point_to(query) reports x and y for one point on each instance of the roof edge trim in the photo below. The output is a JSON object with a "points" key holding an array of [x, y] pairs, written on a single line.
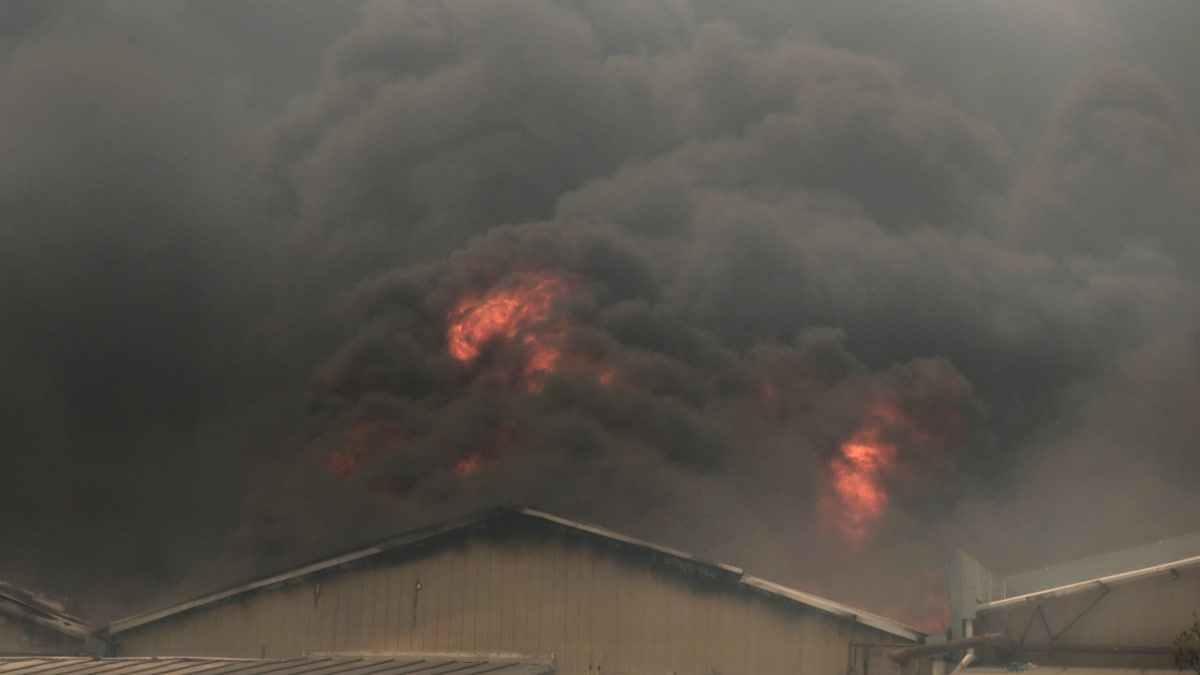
{"points": [[1081, 586]]}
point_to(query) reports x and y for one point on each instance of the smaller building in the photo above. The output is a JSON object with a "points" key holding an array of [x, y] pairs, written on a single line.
{"points": [[1120, 610], [31, 623]]}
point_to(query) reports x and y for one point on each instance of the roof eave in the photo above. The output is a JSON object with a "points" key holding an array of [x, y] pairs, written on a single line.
{"points": [[1082, 586]]}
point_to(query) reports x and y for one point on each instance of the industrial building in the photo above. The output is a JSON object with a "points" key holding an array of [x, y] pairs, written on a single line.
{"points": [[1120, 610], [514, 585], [32, 623]]}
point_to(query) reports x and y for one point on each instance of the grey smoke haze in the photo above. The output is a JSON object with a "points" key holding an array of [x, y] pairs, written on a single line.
{"points": [[231, 233]]}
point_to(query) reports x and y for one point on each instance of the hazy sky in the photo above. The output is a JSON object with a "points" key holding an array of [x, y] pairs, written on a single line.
{"points": [[232, 236]]}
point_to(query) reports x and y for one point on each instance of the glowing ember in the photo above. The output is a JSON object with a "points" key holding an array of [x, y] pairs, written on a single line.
{"points": [[858, 498], [469, 464], [504, 312], [344, 462], [360, 442]]}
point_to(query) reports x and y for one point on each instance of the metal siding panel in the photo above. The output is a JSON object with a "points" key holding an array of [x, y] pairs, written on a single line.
{"points": [[460, 607], [371, 631], [706, 636], [689, 619], [540, 634], [483, 596], [509, 616], [390, 590], [569, 600], [808, 635], [356, 609], [755, 624], [434, 602], [494, 600], [444, 639], [519, 582], [587, 603], [624, 616], [216, 634], [277, 629], [676, 628], [556, 598], [597, 608], [425, 596]]}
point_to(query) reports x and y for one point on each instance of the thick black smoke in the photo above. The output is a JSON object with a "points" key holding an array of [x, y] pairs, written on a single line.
{"points": [[233, 236]]}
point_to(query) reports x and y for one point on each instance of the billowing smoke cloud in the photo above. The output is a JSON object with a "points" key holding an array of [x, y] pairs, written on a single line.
{"points": [[767, 281]]}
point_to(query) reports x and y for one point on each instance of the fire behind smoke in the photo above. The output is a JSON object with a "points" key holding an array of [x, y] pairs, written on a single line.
{"points": [[521, 316], [519, 312], [856, 497]]}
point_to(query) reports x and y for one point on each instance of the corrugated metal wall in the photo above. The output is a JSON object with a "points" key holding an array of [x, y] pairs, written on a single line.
{"points": [[591, 606], [10, 637], [1142, 613]]}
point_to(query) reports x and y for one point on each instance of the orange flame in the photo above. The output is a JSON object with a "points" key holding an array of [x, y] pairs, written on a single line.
{"points": [[503, 312], [469, 464], [859, 498], [360, 442]]}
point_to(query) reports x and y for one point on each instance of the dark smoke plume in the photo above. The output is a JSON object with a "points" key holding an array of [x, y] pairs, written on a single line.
{"points": [[242, 246]]}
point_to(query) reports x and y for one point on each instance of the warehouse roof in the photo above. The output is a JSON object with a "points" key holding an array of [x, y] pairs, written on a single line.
{"points": [[312, 665], [26, 605], [677, 560]]}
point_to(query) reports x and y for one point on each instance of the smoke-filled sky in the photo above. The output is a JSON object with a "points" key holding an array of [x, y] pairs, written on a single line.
{"points": [[822, 288]]}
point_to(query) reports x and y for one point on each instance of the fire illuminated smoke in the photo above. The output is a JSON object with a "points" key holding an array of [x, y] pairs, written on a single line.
{"points": [[467, 465], [503, 313], [858, 498]]}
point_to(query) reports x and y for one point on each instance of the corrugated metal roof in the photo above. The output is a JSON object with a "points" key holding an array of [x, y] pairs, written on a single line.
{"points": [[1148, 555], [27, 605], [326, 665], [710, 569]]}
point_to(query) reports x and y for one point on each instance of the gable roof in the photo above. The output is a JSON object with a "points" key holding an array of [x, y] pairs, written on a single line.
{"points": [[32, 607], [678, 560]]}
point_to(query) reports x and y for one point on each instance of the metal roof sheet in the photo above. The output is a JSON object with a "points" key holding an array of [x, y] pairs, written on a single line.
{"points": [[712, 569], [1111, 580], [1107, 564], [313, 665]]}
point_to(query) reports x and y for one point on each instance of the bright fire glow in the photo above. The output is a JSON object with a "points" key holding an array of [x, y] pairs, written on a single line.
{"points": [[858, 498], [503, 313]]}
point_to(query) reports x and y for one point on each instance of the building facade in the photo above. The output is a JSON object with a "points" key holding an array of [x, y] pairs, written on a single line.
{"points": [[522, 583]]}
